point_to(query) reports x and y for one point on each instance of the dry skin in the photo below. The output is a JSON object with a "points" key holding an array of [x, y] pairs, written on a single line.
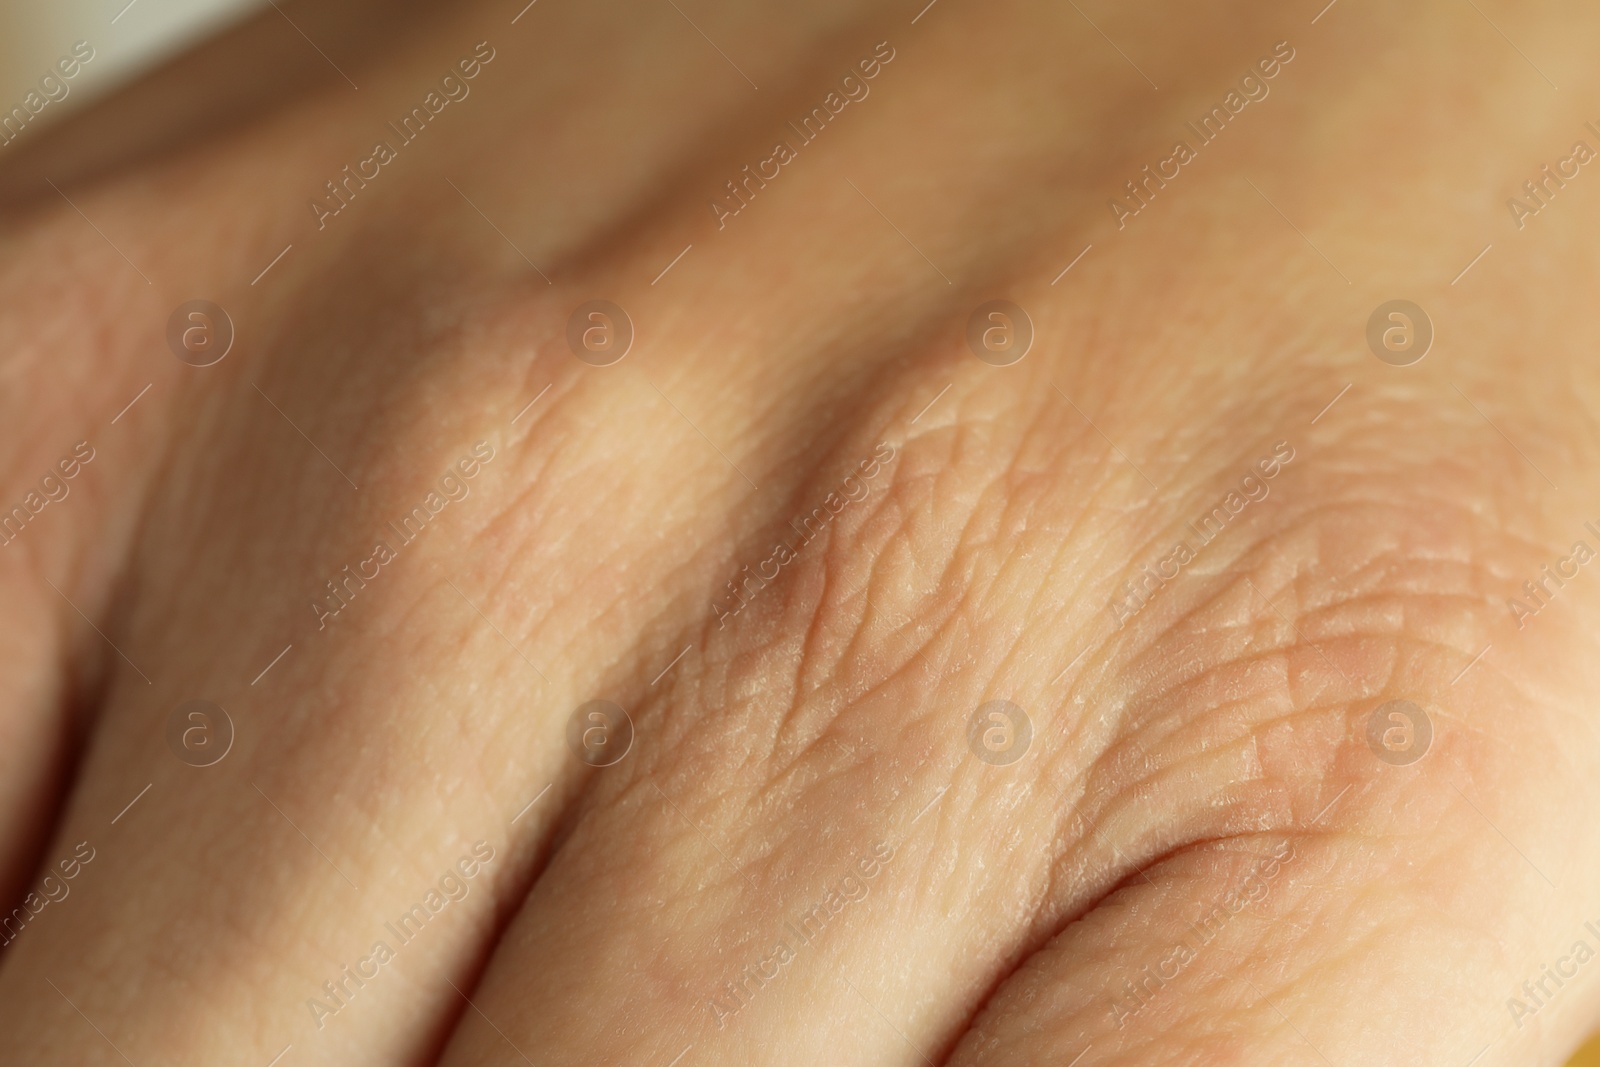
{"points": [[1198, 860]]}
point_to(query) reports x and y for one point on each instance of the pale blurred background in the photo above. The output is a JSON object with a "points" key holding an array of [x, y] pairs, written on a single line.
{"points": [[129, 39]]}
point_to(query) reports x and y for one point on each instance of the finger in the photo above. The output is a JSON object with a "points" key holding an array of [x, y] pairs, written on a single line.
{"points": [[254, 504], [1218, 704], [1417, 916], [79, 457]]}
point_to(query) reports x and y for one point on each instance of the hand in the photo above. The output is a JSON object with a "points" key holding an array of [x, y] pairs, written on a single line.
{"points": [[1204, 686]]}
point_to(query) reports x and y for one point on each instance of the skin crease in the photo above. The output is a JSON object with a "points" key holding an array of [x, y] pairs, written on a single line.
{"points": [[822, 731]]}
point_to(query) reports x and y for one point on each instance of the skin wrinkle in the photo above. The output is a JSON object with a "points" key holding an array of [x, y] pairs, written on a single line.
{"points": [[1123, 796], [1152, 700], [1275, 713], [976, 550], [504, 528], [1150, 697], [853, 607], [1292, 532], [1127, 877], [708, 461], [1010, 560], [1405, 558], [622, 893], [797, 503], [829, 560], [1114, 898], [1144, 783]]}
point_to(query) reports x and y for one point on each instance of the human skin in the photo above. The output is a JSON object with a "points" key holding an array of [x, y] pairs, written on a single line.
{"points": [[1222, 724]]}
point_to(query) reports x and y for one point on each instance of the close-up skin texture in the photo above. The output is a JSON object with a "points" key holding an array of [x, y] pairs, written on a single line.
{"points": [[1285, 592]]}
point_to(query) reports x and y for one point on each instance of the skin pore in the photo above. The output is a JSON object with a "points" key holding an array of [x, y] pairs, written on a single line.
{"points": [[1198, 859]]}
